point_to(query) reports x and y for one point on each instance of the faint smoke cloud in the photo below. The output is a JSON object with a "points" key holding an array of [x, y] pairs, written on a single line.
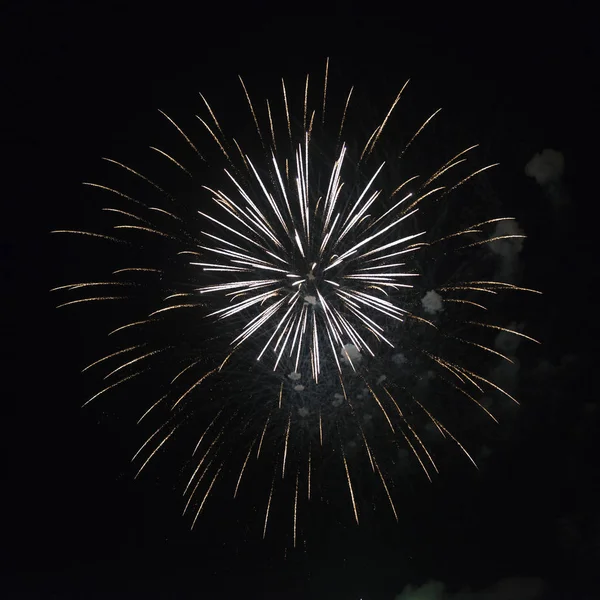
{"points": [[432, 303], [508, 342], [515, 588], [547, 168], [507, 249], [350, 354]]}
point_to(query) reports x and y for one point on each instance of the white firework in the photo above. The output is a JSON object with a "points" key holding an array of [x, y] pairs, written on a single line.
{"points": [[307, 262]]}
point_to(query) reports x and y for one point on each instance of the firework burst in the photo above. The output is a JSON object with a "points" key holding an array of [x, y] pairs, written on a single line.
{"points": [[278, 312]]}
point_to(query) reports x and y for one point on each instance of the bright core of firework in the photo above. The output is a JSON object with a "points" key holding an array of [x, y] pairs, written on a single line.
{"points": [[296, 262]]}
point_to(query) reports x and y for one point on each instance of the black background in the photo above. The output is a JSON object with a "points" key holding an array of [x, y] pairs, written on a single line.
{"points": [[80, 83]]}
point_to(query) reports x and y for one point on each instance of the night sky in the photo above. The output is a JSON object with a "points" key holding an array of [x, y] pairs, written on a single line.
{"points": [[81, 84]]}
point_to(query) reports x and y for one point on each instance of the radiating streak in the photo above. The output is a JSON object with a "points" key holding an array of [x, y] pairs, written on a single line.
{"points": [[480, 404], [493, 239], [271, 126], [380, 406], [379, 267], [350, 487], [448, 366], [268, 509], [239, 149], [208, 428], [237, 485], [97, 362], [212, 114], [414, 433], [466, 375], [285, 448], [206, 495], [270, 200], [368, 149], [378, 276], [359, 200], [449, 164], [153, 406], [192, 494], [175, 307], [343, 120], [503, 285], [172, 160], [155, 451], [95, 299], [451, 288], [135, 323], [492, 384], [239, 258], [262, 437], [379, 304], [423, 447], [75, 286], [418, 457], [243, 304], [387, 491], [90, 234], [256, 226], [194, 386], [165, 212], [320, 427], [116, 162], [113, 191], [465, 302], [200, 463], [181, 132], [421, 319], [112, 386], [251, 283], [287, 111], [282, 186], [325, 94], [334, 188], [287, 330], [296, 506], [367, 448], [371, 238], [252, 111], [462, 181], [137, 269], [507, 330], [305, 104], [421, 198], [148, 230], [485, 348], [459, 445], [185, 370], [214, 137], [456, 234], [414, 137], [127, 214], [309, 469], [135, 360], [234, 231], [277, 326], [412, 248], [214, 237]]}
